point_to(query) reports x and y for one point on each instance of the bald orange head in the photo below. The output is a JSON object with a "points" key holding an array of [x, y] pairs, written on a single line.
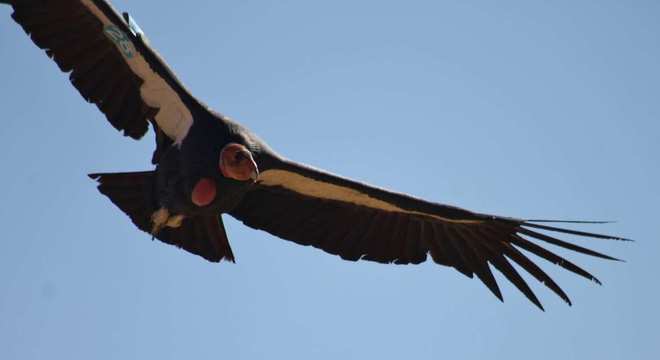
{"points": [[236, 162]]}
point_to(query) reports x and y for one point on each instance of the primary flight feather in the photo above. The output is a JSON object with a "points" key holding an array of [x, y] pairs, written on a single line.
{"points": [[206, 165]]}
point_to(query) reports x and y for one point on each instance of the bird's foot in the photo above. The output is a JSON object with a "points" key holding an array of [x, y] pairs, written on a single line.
{"points": [[162, 218]]}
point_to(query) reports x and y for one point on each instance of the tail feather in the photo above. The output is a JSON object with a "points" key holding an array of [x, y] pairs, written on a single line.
{"points": [[133, 193]]}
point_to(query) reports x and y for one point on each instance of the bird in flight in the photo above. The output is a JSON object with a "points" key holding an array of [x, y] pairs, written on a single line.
{"points": [[206, 165]]}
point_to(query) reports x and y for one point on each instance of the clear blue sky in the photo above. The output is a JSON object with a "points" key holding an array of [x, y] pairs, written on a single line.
{"points": [[530, 109]]}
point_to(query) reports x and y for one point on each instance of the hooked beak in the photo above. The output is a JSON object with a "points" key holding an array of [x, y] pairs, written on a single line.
{"points": [[254, 175]]}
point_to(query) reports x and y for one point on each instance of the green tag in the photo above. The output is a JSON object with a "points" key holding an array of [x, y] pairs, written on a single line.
{"points": [[120, 39]]}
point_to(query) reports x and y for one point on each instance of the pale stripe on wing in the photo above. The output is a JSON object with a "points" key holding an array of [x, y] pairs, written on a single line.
{"points": [[325, 190], [173, 117]]}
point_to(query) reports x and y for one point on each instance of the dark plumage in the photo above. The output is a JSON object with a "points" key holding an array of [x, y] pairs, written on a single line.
{"points": [[207, 165]]}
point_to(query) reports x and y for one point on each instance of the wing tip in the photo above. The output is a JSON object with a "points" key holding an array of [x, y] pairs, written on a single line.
{"points": [[538, 224], [571, 221], [538, 304]]}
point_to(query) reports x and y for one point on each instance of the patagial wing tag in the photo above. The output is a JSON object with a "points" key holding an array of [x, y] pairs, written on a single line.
{"points": [[120, 39]]}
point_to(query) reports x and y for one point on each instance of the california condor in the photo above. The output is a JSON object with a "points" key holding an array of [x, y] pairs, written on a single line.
{"points": [[207, 164]]}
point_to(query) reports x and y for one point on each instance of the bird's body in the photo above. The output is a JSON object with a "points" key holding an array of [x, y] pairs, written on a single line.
{"points": [[207, 165]]}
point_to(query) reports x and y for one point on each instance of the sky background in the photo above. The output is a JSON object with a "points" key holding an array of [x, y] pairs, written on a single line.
{"points": [[532, 109]]}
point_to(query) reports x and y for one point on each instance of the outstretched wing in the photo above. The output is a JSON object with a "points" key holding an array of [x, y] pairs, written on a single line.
{"points": [[357, 221], [110, 63]]}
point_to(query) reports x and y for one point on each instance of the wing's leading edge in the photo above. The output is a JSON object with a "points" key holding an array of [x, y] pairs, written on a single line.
{"points": [[109, 63], [358, 221]]}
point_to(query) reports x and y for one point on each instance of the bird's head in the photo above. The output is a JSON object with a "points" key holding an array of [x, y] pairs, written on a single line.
{"points": [[236, 162]]}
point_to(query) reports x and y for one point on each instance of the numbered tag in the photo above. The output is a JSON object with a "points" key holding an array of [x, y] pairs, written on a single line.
{"points": [[120, 39]]}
